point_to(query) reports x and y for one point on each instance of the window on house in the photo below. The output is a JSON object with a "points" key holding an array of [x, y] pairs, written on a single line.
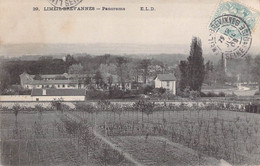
{"points": [[168, 83], [63, 86], [58, 86], [37, 99]]}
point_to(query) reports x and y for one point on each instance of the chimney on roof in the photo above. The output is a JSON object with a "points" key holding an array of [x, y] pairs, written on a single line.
{"points": [[44, 92]]}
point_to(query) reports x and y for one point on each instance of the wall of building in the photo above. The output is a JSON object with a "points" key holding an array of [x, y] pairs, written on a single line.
{"points": [[23, 98], [168, 86], [157, 83], [163, 84], [32, 104], [57, 86], [27, 86], [15, 98], [64, 98]]}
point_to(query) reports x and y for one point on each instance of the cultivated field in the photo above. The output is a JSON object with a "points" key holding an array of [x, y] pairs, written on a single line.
{"points": [[34, 140], [50, 138], [222, 134], [142, 134]]}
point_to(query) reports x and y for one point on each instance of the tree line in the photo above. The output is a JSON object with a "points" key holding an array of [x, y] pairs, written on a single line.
{"points": [[102, 69], [191, 74]]}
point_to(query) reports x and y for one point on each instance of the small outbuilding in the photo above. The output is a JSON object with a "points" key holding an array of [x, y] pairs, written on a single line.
{"points": [[58, 94]]}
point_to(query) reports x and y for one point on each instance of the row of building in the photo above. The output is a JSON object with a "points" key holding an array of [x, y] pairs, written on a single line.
{"points": [[72, 87], [64, 81]]}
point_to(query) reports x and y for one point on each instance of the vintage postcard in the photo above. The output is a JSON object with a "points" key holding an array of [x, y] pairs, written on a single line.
{"points": [[129, 82]]}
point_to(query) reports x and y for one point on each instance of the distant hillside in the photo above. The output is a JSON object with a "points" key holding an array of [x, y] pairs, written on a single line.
{"points": [[169, 59], [93, 49], [168, 53]]}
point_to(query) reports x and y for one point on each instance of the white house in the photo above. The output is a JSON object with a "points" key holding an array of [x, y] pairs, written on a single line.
{"points": [[58, 94], [167, 81]]}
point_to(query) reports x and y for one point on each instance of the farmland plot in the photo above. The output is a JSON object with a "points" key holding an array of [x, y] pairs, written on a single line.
{"points": [[159, 151], [30, 142], [221, 134], [116, 135], [52, 138]]}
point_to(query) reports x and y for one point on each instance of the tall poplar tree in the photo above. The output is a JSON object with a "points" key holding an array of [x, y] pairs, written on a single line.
{"points": [[120, 62], [196, 67], [183, 66]]}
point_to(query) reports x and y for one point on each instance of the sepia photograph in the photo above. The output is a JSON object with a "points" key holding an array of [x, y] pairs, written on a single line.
{"points": [[130, 83]]}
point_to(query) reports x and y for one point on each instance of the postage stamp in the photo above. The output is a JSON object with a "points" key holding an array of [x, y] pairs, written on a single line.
{"points": [[65, 3], [231, 28]]}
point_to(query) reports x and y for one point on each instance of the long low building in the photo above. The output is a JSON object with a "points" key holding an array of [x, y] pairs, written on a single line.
{"points": [[66, 81], [53, 94], [58, 81]]}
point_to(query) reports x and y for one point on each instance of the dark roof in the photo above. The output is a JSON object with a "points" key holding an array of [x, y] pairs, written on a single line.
{"points": [[51, 82], [69, 79], [166, 77], [66, 75], [59, 92]]}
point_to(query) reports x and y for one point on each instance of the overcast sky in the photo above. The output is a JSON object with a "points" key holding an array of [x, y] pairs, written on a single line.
{"points": [[173, 22]]}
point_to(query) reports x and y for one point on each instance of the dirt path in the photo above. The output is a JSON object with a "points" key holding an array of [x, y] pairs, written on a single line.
{"points": [[115, 147], [153, 151], [108, 142]]}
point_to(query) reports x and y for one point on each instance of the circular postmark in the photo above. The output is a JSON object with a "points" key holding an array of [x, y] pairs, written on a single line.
{"points": [[64, 3], [230, 35]]}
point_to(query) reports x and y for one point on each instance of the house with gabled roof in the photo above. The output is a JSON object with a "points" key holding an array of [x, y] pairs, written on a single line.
{"points": [[53, 94], [167, 81]]}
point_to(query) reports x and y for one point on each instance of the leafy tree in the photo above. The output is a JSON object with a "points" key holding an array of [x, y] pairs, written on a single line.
{"points": [[183, 66], [144, 64], [134, 69], [107, 58], [16, 109], [45, 58], [148, 89], [76, 69], [110, 80], [209, 73], [145, 107], [98, 79], [120, 62], [69, 60], [5, 80], [196, 67], [87, 81], [162, 90], [220, 71]]}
